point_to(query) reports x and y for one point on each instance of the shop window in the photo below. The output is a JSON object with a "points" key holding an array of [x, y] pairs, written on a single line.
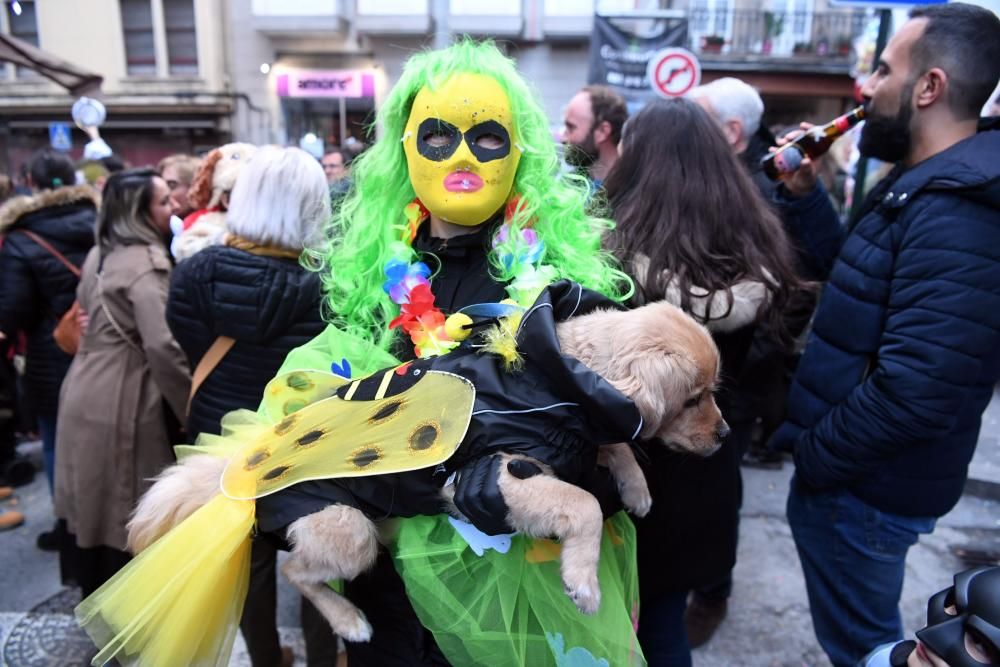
{"points": [[23, 26], [137, 26], [182, 44]]}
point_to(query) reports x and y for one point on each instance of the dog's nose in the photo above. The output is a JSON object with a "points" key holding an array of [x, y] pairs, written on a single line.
{"points": [[722, 430]]}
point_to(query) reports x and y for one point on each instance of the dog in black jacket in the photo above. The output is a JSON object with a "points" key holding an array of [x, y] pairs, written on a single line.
{"points": [[590, 384]]}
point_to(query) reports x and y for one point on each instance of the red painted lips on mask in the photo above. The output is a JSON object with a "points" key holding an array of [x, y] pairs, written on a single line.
{"points": [[462, 181]]}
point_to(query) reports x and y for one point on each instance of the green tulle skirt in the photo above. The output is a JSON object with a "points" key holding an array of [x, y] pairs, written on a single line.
{"points": [[500, 601]]}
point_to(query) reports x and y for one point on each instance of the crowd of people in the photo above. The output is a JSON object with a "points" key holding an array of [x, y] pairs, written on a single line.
{"points": [[148, 304]]}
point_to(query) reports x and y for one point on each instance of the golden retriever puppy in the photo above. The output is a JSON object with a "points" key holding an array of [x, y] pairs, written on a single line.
{"points": [[657, 356], [668, 365]]}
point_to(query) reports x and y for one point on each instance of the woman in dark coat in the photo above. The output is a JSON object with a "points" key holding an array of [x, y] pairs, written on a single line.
{"points": [[38, 286], [253, 291], [693, 229]]}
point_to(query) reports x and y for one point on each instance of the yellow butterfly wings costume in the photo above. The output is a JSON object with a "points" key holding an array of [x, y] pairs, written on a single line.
{"points": [[179, 602]]}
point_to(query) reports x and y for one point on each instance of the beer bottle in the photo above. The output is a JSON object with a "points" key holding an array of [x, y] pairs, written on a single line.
{"points": [[812, 143]]}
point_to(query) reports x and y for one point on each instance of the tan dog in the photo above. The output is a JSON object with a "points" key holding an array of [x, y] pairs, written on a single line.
{"points": [[656, 355], [209, 196]]}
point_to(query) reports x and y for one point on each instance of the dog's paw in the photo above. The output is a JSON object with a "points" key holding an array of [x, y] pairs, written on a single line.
{"points": [[585, 595], [636, 498], [356, 629]]}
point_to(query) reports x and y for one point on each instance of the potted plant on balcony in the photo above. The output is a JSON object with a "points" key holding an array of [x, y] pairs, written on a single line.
{"points": [[774, 24], [845, 45], [712, 43], [802, 48]]}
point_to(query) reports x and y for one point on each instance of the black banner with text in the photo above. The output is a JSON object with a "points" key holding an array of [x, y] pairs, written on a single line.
{"points": [[620, 53]]}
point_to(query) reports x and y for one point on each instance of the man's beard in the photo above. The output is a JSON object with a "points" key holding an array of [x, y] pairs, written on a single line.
{"points": [[888, 138], [582, 155]]}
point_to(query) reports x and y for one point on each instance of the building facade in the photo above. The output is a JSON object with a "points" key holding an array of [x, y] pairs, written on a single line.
{"points": [[186, 75], [164, 65], [315, 70]]}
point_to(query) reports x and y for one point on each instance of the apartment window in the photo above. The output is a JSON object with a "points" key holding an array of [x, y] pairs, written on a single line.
{"points": [[182, 45], [140, 47], [24, 27]]}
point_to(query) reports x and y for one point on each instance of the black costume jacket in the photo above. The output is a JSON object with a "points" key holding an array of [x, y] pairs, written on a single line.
{"points": [[554, 409]]}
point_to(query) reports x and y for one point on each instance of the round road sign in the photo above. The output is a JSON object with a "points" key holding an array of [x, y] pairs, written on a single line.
{"points": [[673, 72]]}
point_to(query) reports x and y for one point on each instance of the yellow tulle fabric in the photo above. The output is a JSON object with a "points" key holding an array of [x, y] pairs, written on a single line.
{"points": [[179, 602]]}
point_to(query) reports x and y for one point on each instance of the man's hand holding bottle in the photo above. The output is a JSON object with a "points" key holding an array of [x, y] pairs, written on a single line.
{"points": [[801, 180]]}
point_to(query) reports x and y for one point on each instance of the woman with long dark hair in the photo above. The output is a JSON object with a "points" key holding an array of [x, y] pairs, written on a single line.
{"points": [[128, 379], [693, 229]]}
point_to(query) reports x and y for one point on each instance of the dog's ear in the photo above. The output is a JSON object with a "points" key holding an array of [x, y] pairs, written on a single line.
{"points": [[658, 383], [200, 192]]}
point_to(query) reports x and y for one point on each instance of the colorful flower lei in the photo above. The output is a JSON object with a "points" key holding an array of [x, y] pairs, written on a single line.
{"points": [[407, 283]]}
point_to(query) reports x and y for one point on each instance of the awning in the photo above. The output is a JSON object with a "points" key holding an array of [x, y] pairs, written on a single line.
{"points": [[77, 81]]}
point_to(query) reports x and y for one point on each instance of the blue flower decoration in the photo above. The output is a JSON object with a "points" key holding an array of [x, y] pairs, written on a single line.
{"points": [[397, 271], [343, 369], [419, 269]]}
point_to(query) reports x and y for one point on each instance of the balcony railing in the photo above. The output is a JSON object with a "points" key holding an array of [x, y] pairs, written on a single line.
{"points": [[753, 32]]}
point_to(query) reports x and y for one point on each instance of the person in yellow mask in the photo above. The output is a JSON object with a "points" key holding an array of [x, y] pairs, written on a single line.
{"points": [[457, 204], [460, 151]]}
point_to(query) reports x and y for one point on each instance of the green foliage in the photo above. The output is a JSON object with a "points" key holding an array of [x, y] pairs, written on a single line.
{"points": [[774, 24]]}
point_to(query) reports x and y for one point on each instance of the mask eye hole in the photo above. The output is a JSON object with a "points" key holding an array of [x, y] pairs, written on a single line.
{"points": [[980, 649], [949, 603], [438, 138], [489, 141]]}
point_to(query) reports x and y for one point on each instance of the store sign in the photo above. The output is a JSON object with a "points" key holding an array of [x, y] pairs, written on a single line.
{"points": [[326, 83]]}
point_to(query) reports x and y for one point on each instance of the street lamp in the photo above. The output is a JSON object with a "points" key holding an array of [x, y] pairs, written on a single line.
{"points": [[265, 68]]}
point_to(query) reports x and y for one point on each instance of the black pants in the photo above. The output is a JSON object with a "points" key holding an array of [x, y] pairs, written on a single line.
{"points": [[259, 623], [88, 568], [398, 638]]}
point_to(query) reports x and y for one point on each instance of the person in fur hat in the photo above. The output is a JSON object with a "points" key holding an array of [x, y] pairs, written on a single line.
{"points": [[209, 195], [44, 235]]}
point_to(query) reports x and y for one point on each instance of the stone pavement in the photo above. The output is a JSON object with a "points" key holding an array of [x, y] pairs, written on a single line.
{"points": [[768, 623]]}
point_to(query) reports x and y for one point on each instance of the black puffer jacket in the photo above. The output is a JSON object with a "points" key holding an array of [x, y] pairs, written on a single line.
{"points": [[35, 287], [269, 305], [904, 353]]}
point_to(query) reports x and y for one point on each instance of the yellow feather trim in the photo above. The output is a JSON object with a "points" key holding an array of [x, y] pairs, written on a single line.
{"points": [[501, 340]]}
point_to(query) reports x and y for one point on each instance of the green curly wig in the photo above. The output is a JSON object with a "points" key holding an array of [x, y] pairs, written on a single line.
{"points": [[370, 225]]}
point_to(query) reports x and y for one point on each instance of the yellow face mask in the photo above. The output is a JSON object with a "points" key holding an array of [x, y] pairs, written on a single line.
{"points": [[461, 149]]}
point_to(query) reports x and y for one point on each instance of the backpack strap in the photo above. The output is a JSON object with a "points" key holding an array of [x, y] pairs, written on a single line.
{"points": [[212, 357]]}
